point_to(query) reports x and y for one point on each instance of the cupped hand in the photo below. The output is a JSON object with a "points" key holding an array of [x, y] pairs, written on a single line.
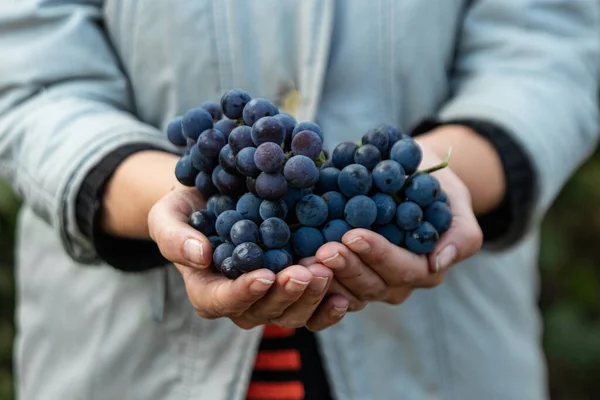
{"points": [[293, 298]]}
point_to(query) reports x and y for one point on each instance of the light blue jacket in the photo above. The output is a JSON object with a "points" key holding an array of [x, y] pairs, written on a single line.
{"points": [[80, 78]]}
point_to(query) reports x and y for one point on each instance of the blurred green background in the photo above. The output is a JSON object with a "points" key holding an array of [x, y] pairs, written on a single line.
{"points": [[570, 300]]}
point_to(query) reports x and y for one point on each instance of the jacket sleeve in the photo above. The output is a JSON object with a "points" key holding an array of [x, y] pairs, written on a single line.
{"points": [[64, 105], [531, 66]]}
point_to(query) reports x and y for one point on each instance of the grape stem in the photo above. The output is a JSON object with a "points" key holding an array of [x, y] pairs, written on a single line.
{"points": [[320, 160], [440, 166]]}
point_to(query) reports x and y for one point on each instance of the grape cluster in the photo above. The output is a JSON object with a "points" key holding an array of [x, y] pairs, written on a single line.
{"points": [[273, 197]]}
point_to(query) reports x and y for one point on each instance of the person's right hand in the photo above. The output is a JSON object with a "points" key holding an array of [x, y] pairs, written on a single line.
{"points": [[293, 298]]}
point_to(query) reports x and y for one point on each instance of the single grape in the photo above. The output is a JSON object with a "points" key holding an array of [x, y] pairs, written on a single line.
{"points": [[222, 252], [393, 135], [271, 186], [269, 157], [215, 241], [443, 197], [268, 129], [251, 185], [422, 240], [269, 209], [244, 231], [213, 109], [355, 179], [258, 108], [244, 162], [223, 203], [228, 270], [438, 214], [312, 210], [307, 126], [386, 208], [327, 164], [274, 233], [388, 176], [248, 205], [202, 221], [334, 230], [336, 203], [233, 103], [185, 171], [189, 143], [368, 156], [204, 185], [196, 121], [343, 154], [422, 189], [201, 162], [210, 143], [228, 184], [175, 132], [247, 257], [211, 203], [294, 195], [307, 143], [227, 159], [225, 126], [377, 138], [225, 222], [392, 233], [240, 138], [360, 212], [301, 172], [407, 153], [214, 174], [306, 241], [277, 260], [408, 215], [328, 180], [289, 123]]}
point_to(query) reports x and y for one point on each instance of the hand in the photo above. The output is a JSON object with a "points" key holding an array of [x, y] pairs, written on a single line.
{"points": [[293, 298]]}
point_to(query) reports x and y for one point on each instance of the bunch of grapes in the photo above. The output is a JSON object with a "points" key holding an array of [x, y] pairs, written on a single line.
{"points": [[273, 197]]}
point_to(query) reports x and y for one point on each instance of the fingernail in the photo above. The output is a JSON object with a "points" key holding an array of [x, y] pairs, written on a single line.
{"points": [[338, 312], [319, 283], [335, 261], [295, 286], [445, 258], [260, 285], [192, 251], [359, 245]]}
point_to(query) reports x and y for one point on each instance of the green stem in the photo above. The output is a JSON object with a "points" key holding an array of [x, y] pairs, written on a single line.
{"points": [[440, 166], [320, 160]]}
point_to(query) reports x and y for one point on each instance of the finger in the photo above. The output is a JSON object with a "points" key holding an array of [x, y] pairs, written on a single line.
{"points": [[395, 265], [308, 261], [214, 296], [289, 286], [399, 295], [355, 304], [178, 242], [348, 269], [330, 312], [301, 311]]}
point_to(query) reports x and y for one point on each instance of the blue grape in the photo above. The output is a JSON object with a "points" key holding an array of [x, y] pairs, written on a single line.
{"points": [[258, 108], [223, 203], [211, 203], [301, 172], [443, 197], [233, 103], [438, 214], [201, 162], [289, 123], [336, 203], [175, 132], [360, 212], [196, 121], [204, 185], [392, 233], [408, 215], [269, 157], [422, 189], [222, 252], [377, 138], [244, 231], [215, 241], [277, 260], [225, 126], [355, 179], [185, 171], [393, 135], [228, 269], [271, 186], [227, 159], [388, 176], [307, 126], [240, 138], [327, 164], [334, 230], [251, 185], [328, 180], [189, 143], [306, 241], [274, 233], [312, 210], [268, 129], [407, 153], [244, 162], [228, 184], [386, 208], [368, 156], [294, 195], [202, 221], [422, 240], [247, 257], [273, 209], [343, 154], [225, 222], [213, 109], [248, 206], [210, 143], [214, 174], [307, 143]]}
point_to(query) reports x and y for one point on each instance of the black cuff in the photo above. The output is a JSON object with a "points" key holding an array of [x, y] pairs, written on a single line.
{"points": [[507, 224], [121, 253]]}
